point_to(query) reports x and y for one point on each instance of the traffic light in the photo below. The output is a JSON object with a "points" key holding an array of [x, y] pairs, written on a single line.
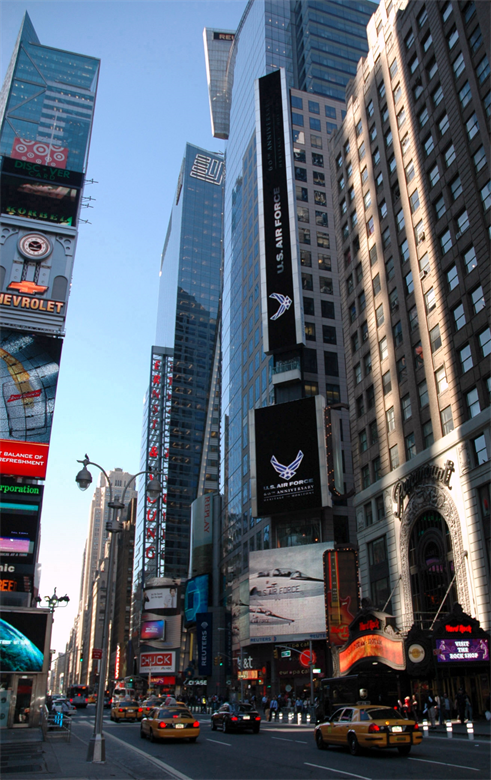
{"points": [[217, 658], [220, 660], [81, 656], [275, 653]]}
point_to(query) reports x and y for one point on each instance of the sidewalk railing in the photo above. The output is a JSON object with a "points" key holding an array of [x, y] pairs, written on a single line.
{"points": [[56, 725]]}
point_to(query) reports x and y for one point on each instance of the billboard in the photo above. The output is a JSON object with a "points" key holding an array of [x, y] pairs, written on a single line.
{"points": [[476, 649], [160, 598], [29, 366], [37, 153], [152, 629], [160, 661], [204, 635], [40, 192], [202, 534], [342, 593], [24, 640], [286, 593], [288, 457], [196, 598], [388, 650], [280, 285], [20, 512], [38, 266]]}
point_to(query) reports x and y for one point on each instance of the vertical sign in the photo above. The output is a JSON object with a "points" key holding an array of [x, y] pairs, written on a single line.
{"points": [[279, 274], [341, 593], [204, 632]]}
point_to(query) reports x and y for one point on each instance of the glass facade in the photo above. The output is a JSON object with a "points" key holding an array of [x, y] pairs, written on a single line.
{"points": [[47, 103]]}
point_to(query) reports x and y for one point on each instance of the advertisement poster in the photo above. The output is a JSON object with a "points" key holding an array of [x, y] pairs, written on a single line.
{"points": [[462, 650], [23, 640], [159, 661], [286, 592], [196, 598], [159, 598], [20, 512], [342, 600], [389, 651], [204, 635]]}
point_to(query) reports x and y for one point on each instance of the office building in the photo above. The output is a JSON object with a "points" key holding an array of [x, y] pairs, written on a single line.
{"points": [[411, 173]]}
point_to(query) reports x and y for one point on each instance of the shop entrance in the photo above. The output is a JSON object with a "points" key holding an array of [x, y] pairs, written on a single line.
{"points": [[22, 710]]}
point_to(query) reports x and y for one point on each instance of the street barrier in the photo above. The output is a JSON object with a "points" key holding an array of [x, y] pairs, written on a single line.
{"points": [[425, 728], [449, 727], [470, 729]]}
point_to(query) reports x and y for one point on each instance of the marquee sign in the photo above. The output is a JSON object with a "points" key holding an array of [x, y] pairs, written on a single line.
{"points": [[403, 488], [382, 648], [448, 650]]}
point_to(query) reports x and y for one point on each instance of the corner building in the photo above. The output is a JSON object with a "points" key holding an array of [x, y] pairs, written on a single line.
{"points": [[410, 169]]}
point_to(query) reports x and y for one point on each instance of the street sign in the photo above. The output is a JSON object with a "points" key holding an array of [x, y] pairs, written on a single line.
{"points": [[96, 653], [286, 653]]}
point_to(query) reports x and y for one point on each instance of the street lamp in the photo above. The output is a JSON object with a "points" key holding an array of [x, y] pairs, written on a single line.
{"points": [[97, 749], [55, 601]]}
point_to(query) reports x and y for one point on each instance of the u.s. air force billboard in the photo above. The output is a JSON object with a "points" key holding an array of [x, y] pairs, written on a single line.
{"points": [[288, 457]]}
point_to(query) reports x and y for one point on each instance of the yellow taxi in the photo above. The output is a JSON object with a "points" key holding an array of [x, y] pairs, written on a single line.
{"points": [[125, 709], [368, 727], [146, 707], [173, 722]]}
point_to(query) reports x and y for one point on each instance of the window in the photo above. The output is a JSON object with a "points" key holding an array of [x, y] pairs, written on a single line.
{"points": [[314, 123], [367, 200], [307, 282], [432, 68], [316, 142], [319, 179], [394, 299], [462, 223], [308, 306], [482, 70], [302, 193], [388, 138], [480, 159], [351, 194], [321, 218], [361, 150], [310, 331], [465, 356], [446, 11], [370, 227], [435, 338], [400, 220], [393, 68], [298, 136], [469, 11], [297, 119], [446, 420], [373, 432], [480, 450], [465, 94], [370, 109], [423, 394], [386, 383], [385, 113], [434, 175], [452, 277], [323, 240], [397, 334], [437, 95], [303, 214], [330, 111], [325, 285], [324, 262], [299, 154], [430, 300], [390, 419], [418, 355], [370, 397], [386, 238], [459, 316], [413, 318], [319, 197], [408, 280], [472, 401], [414, 64], [357, 373], [406, 407], [404, 251], [392, 164], [364, 175], [410, 172], [485, 342], [381, 89], [429, 145], [329, 334], [304, 235], [486, 195], [379, 180], [477, 297], [343, 207], [327, 310], [456, 187], [440, 207], [318, 159], [449, 155], [296, 102], [428, 437], [419, 232], [472, 126], [394, 457], [364, 331], [418, 89], [363, 441], [414, 200], [423, 117], [383, 348], [365, 482], [401, 118], [367, 361], [459, 65], [444, 124], [427, 41], [397, 92], [379, 314], [314, 107], [410, 445], [446, 241], [424, 263], [410, 38], [373, 254], [362, 301], [373, 132], [305, 258], [355, 341], [452, 37]]}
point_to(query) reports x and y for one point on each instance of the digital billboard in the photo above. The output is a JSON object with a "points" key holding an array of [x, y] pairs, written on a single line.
{"points": [[196, 598], [280, 285], [286, 592], [288, 457], [152, 629], [388, 650], [24, 640], [20, 512], [39, 192], [160, 598], [476, 649], [342, 593]]}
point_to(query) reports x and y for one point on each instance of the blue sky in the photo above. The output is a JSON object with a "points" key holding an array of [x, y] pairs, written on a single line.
{"points": [[152, 99]]}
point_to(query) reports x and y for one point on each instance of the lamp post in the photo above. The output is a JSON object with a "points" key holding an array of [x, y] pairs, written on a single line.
{"points": [[97, 748], [54, 601]]}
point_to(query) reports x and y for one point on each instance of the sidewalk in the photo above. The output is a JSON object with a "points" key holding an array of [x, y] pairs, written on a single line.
{"points": [[24, 754]]}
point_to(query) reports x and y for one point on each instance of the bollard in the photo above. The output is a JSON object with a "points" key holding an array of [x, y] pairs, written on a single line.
{"points": [[290, 717], [299, 718], [470, 729], [280, 716], [308, 717], [449, 727], [425, 728]]}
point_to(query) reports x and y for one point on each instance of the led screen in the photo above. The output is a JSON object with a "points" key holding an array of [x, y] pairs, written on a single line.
{"points": [[286, 591], [22, 640], [462, 650], [19, 522], [160, 598], [152, 629], [196, 598], [52, 201], [341, 577]]}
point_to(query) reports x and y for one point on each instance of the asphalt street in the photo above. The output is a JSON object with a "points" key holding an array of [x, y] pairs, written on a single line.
{"points": [[281, 752]]}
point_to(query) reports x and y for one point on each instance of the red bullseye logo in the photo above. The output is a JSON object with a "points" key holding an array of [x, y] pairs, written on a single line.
{"points": [[305, 658]]}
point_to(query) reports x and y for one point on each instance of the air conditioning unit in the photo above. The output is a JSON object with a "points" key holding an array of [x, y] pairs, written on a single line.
{"points": [[421, 237], [422, 274]]}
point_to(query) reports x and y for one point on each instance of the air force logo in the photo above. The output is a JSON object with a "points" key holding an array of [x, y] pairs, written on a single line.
{"points": [[287, 472], [285, 303]]}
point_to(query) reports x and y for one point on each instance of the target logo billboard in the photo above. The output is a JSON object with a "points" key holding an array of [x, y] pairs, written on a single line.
{"points": [[40, 153], [158, 661]]}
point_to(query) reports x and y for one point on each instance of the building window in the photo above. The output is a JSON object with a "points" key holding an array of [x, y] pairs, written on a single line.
{"points": [[452, 37], [390, 419], [452, 277], [386, 383], [434, 175], [316, 142], [370, 397], [319, 197], [305, 258], [299, 155], [486, 196], [480, 159], [304, 235], [449, 155], [459, 65], [480, 450], [428, 437], [331, 363], [373, 432], [365, 479], [357, 373], [465, 356], [314, 123], [441, 380], [318, 159], [308, 306], [370, 227], [440, 207], [303, 214], [446, 242], [321, 219], [408, 281], [364, 331], [324, 262], [394, 457], [429, 145], [367, 200], [301, 193], [383, 348], [388, 138], [360, 406], [393, 68], [435, 338], [310, 331], [367, 360], [459, 316], [485, 342], [327, 310], [465, 94], [307, 282], [386, 238], [400, 220], [482, 70], [444, 124], [423, 394], [447, 420], [472, 401], [430, 300], [410, 445], [472, 126], [373, 254], [413, 318], [477, 297], [406, 407], [394, 299], [362, 441], [414, 200], [376, 285], [456, 187], [397, 334], [329, 334], [378, 183]]}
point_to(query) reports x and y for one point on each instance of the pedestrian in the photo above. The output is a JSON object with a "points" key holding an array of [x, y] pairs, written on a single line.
{"points": [[267, 709], [415, 707], [460, 704], [273, 709], [429, 710], [468, 708], [438, 709], [446, 706]]}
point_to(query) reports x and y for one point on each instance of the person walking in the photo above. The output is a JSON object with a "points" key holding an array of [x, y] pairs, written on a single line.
{"points": [[273, 709], [447, 710], [460, 704]]}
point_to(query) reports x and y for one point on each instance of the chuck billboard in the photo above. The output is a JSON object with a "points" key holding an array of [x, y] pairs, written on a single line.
{"points": [[280, 284], [288, 457], [286, 593], [29, 367]]}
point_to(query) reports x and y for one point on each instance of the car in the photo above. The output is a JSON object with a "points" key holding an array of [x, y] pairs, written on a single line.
{"points": [[63, 705], [92, 698], [236, 716], [169, 723], [126, 709], [147, 706], [368, 726]]}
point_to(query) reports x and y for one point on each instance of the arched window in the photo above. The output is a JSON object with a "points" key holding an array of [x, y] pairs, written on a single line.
{"points": [[59, 290], [431, 566]]}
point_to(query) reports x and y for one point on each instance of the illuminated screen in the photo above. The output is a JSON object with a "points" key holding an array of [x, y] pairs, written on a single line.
{"points": [[152, 629], [19, 525], [286, 591], [22, 546], [160, 598], [462, 650], [22, 638], [47, 201], [196, 598]]}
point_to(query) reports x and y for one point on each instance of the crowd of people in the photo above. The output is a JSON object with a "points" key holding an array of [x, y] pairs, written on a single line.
{"points": [[438, 708]]}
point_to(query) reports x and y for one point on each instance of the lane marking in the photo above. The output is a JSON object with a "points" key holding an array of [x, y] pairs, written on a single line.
{"points": [[330, 769], [161, 764], [301, 742], [282, 739], [217, 741], [441, 763]]}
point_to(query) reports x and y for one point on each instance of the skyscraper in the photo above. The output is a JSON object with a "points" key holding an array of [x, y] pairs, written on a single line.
{"points": [[412, 168]]}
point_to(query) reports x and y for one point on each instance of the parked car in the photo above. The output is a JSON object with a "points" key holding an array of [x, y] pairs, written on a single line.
{"points": [[368, 727], [236, 716], [126, 709], [170, 723]]}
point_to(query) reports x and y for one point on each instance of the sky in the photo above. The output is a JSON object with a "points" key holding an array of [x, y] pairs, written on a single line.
{"points": [[152, 99]]}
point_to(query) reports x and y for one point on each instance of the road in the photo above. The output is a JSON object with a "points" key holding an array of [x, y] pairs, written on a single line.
{"points": [[280, 752]]}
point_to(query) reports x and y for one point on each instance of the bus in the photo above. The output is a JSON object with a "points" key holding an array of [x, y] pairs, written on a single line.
{"points": [[78, 695]]}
